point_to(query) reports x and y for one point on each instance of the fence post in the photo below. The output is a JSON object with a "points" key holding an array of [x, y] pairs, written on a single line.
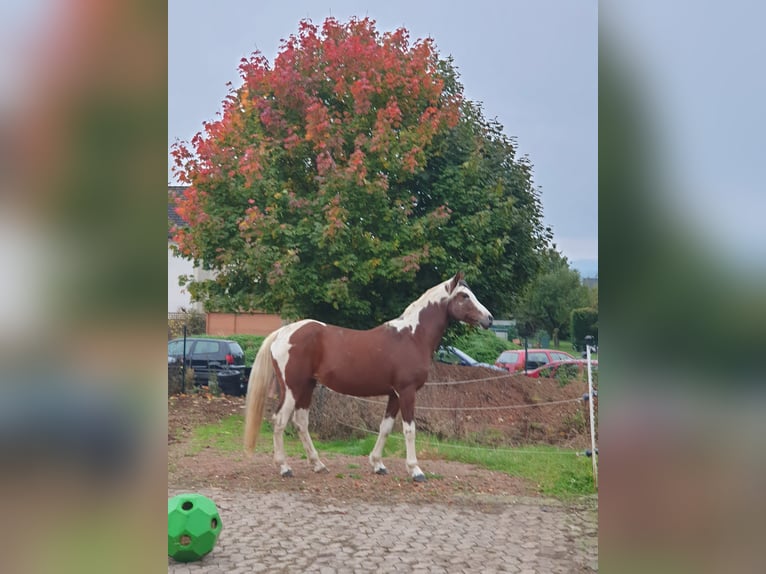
{"points": [[594, 456], [183, 366], [526, 355]]}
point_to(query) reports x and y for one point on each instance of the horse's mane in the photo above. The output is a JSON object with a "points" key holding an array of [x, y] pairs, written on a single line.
{"points": [[432, 295]]}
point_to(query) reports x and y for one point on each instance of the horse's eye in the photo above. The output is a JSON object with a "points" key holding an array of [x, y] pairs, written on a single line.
{"points": [[465, 295]]}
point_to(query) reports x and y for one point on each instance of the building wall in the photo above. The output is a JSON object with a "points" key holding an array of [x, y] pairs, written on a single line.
{"points": [[178, 296], [223, 324]]}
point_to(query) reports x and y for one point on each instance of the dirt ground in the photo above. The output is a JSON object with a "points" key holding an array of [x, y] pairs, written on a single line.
{"points": [[350, 477]]}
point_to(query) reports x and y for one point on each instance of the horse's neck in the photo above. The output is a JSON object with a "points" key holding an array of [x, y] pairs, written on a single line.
{"points": [[430, 329], [425, 318], [426, 324]]}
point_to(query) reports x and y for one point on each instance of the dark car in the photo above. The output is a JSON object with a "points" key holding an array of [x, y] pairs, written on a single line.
{"points": [[574, 370], [220, 356], [513, 360], [454, 356]]}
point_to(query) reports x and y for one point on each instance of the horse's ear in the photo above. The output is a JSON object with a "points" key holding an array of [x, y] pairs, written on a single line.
{"points": [[455, 281]]}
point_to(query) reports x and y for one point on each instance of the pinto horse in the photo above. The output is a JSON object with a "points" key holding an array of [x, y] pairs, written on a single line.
{"points": [[391, 360]]}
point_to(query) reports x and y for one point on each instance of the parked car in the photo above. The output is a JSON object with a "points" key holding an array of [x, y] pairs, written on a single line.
{"points": [[513, 360], [574, 370], [454, 356], [220, 356]]}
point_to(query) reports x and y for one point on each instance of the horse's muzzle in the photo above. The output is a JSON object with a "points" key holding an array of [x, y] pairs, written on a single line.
{"points": [[486, 322]]}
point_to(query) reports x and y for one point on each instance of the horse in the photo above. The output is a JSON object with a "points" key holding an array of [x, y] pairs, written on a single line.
{"points": [[392, 360]]}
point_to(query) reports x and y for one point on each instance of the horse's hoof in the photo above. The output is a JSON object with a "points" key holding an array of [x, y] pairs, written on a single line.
{"points": [[419, 478], [322, 469], [287, 474], [382, 471]]}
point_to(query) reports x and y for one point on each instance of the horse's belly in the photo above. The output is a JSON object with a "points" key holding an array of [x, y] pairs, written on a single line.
{"points": [[358, 380]]}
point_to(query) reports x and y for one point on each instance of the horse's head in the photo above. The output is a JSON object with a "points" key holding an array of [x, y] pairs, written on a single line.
{"points": [[464, 306]]}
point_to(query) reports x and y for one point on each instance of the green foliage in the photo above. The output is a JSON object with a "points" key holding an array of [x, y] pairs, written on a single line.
{"points": [[174, 380], [212, 384], [349, 177], [567, 347], [195, 322], [584, 321], [249, 343], [593, 297], [484, 346], [549, 299]]}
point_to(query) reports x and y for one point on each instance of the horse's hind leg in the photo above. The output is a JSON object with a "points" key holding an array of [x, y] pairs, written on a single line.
{"points": [[301, 422], [281, 418], [386, 426]]}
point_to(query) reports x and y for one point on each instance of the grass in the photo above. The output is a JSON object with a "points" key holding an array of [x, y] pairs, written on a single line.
{"points": [[225, 436], [555, 472]]}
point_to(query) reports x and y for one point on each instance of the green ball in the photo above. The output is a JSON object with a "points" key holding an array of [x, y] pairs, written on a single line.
{"points": [[193, 527]]}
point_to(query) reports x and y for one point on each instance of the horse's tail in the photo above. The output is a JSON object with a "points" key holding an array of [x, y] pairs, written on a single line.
{"points": [[257, 387]]}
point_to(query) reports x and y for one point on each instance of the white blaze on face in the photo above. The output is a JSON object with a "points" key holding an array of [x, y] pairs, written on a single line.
{"points": [[474, 300], [280, 348], [411, 316]]}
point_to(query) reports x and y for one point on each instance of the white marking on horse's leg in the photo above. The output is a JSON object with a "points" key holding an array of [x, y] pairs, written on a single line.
{"points": [[376, 456], [281, 418], [301, 422], [412, 459]]}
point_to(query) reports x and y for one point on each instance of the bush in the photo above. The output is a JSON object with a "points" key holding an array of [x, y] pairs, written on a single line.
{"points": [[196, 324], [174, 380], [584, 322], [249, 343], [542, 339], [212, 385], [484, 346], [175, 377]]}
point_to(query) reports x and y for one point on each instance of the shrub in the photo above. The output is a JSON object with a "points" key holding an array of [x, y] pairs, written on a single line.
{"points": [[174, 380], [196, 324], [175, 377], [484, 346], [212, 385], [584, 322], [542, 339], [249, 343]]}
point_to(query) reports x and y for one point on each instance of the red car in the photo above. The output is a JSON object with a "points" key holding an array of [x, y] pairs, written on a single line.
{"points": [[574, 370], [514, 360]]}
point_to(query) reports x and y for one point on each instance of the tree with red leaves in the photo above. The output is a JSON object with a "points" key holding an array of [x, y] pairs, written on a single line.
{"points": [[329, 185]]}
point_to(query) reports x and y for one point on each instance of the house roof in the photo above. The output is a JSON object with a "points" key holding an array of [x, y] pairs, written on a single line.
{"points": [[173, 217]]}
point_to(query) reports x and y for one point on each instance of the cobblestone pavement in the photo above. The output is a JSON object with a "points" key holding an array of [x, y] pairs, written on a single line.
{"points": [[281, 532]]}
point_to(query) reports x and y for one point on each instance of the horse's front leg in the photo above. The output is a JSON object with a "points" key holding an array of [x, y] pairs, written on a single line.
{"points": [[386, 426], [407, 402]]}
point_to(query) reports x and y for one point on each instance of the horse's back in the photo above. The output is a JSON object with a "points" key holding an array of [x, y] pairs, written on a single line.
{"points": [[367, 363], [349, 361]]}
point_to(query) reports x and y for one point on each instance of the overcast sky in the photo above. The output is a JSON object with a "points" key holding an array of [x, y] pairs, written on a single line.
{"points": [[533, 65]]}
